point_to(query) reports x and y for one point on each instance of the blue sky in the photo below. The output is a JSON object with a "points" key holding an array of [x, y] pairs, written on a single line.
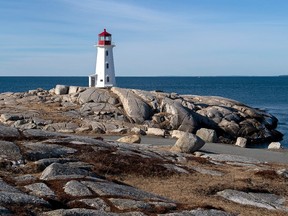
{"points": [[152, 37]]}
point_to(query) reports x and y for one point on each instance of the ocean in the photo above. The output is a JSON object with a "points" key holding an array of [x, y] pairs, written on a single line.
{"points": [[267, 93]]}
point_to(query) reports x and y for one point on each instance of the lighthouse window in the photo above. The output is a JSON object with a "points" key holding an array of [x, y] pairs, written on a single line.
{"points": [[107, 65], [106, 52], [107, 79]]}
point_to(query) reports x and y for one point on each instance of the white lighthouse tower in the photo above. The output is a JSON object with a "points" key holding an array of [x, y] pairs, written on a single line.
{"points": [[104, 74]]}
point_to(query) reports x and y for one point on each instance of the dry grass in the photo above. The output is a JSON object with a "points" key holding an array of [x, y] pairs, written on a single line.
{"points": [[53, 111], [198, 190]]}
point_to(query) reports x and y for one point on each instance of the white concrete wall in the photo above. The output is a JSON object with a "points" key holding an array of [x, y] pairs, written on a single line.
{"points": [[102, 71]]}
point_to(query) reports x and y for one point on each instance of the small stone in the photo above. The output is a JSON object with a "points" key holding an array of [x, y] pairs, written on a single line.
{"points": [[241, 142], [118, 131], [275, 145], [130, 139], [156, 132], [138, 131]]}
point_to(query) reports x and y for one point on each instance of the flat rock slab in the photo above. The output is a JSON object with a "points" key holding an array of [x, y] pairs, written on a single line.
{"points": [[43, 163], [128, 204], [20, 199], [37, 151], [87, 212], [10, 151], [199, 212], [4, 187], [117, 190], [40, 190], [8, 133], [80, 140], [231, 158], [262, 200], [95, 203], [40, 134], [65, 171], [76, 188]]}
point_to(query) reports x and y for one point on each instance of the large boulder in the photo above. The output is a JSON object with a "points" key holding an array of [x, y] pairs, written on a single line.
{"points": [[180, 117], [135, 108], [188, 143], [96, 95]]}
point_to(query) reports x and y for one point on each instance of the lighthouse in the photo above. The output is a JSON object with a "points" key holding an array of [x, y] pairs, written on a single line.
{"points": [[104, 73]]}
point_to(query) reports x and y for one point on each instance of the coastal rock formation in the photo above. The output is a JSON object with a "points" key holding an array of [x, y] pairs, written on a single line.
{"points": [[119, 109], [49, 173], [54, 161]]}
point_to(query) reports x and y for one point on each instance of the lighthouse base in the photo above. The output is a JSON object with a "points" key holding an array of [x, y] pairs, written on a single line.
{"points": [[93, 82]]}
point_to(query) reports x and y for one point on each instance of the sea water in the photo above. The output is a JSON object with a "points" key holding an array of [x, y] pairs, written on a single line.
{"points": [[267, 93]]}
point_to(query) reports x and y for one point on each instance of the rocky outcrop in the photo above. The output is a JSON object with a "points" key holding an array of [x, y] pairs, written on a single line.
{"points": [[82, 110], [135, 108], [53, 173]]}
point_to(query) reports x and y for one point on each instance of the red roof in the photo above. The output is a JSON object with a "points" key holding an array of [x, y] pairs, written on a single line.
{"points": [[104, 33]]}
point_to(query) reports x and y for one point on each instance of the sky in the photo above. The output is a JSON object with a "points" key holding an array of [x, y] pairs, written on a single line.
{"points": [[152, 37]]}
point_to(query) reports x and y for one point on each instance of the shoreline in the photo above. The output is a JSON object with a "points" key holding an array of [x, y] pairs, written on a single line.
{"points": [[263, 155]]}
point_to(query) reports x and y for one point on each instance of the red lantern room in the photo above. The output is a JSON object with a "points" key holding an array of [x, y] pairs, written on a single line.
{"points": [[104, 38]]}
